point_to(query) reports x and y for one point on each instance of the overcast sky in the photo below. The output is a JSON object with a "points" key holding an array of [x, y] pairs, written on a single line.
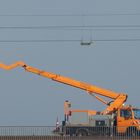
{"points": [[28, 99]]}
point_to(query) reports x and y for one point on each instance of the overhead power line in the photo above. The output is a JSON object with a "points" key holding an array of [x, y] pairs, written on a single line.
{"points": [[69, 15], [72, 40], [70, 27]]}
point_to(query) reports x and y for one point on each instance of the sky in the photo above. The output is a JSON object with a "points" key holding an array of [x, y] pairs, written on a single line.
{"points": [[111, 61]]}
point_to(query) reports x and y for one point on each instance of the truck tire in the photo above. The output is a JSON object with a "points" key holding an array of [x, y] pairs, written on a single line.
{"points": [[81, 132], [132, 132]]}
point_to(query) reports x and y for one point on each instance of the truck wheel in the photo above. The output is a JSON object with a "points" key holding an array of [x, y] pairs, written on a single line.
{"points": [[132, 131], [81, 132]]}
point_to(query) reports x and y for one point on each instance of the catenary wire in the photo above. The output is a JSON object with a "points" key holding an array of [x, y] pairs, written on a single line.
{"points": [[69, 26], [70, 15], [72, 40]]}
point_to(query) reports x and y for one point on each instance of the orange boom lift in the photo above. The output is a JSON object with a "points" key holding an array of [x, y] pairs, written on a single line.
{"points": [[124, 118]]}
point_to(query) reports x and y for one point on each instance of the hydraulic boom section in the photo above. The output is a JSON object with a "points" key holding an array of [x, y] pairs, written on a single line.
{"points": [[118, 98], [12, 66]]}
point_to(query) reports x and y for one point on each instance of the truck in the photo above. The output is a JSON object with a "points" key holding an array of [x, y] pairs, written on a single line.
{"points": [[117, 118]]}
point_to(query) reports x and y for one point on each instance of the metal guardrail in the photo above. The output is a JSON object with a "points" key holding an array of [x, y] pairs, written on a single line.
{"points": [[49, 133], [26, 130]]}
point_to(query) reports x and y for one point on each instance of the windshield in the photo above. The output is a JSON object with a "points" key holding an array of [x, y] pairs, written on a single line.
{"points": [[136, 113]]}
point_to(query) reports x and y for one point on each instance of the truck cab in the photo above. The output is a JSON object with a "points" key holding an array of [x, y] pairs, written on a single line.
{"points": [[128, 120]]}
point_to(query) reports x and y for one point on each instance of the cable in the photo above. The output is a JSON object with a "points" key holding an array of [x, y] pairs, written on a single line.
{"points": [[68, 15], [96, 40], [74, 26], [71, 27]]}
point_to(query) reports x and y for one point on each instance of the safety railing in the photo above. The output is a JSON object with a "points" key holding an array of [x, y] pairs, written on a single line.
{"points": [[27, 130], [67, 133]]}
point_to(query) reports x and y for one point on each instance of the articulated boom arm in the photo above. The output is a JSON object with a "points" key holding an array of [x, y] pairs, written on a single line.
{"points": [[118, 98]]}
